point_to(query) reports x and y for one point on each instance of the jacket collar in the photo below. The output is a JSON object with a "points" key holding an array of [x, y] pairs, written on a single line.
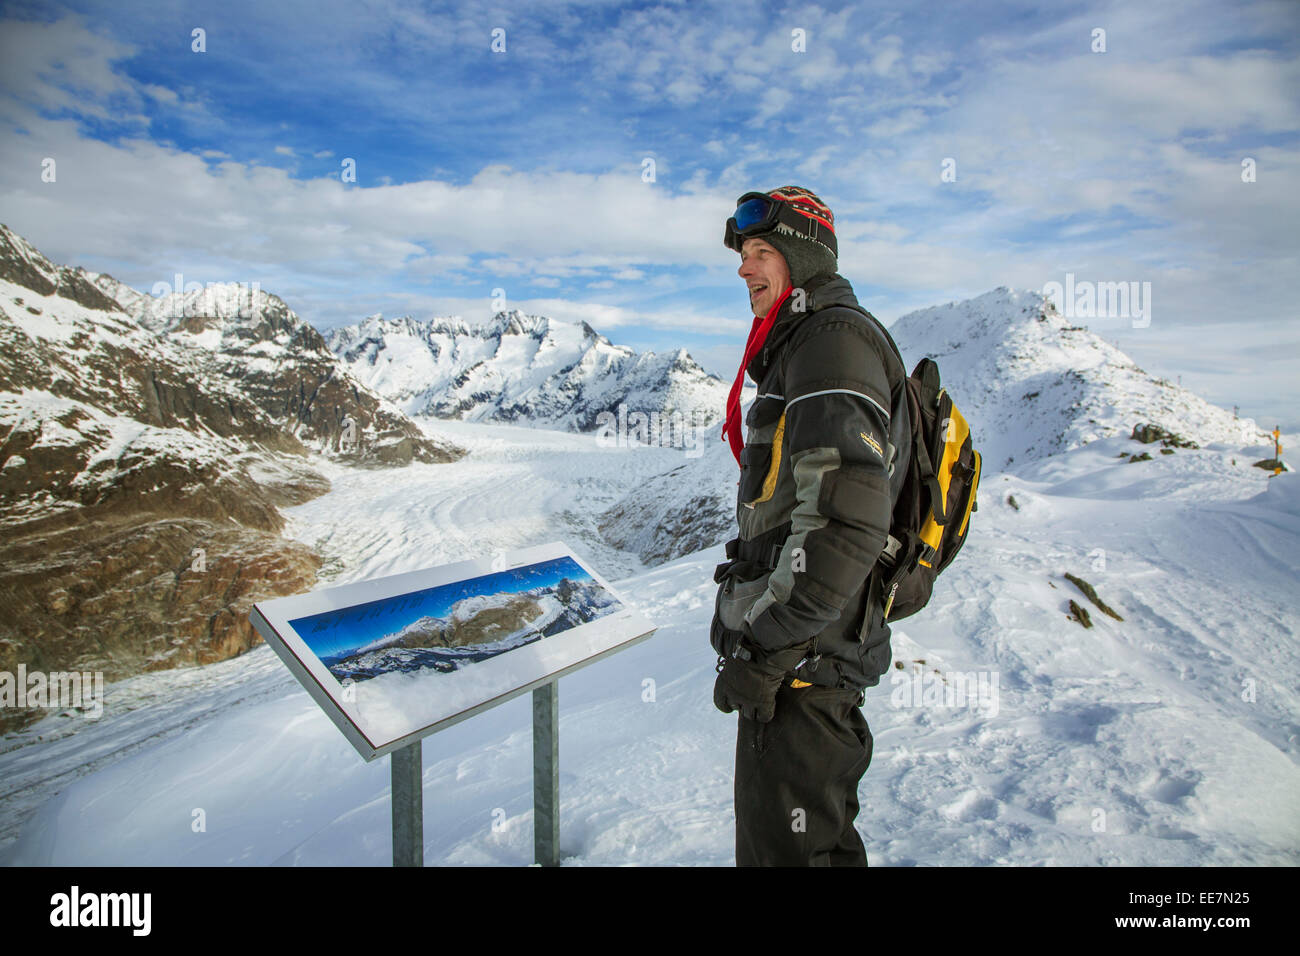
{"points": [[820, 292]]}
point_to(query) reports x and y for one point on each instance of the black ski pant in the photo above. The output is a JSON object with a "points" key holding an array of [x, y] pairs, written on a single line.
{"points": [[797, 780]]}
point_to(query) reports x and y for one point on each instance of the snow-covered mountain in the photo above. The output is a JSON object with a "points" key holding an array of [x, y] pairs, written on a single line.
{"points": [[251, 339], [1030, 383], [522, 368], [143, 462]]}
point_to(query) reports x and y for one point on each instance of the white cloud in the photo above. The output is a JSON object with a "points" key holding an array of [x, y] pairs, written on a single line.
{"points": [[684, 90], [64, 65], [773, 102], [813, 165], [143, 197], [161, 93], [886, 53]]}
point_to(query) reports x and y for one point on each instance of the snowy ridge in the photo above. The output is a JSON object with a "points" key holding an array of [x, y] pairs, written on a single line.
{"points": [[521, 368], [1031, 383], [128, 299], [87, 395], [232, 344], [23, 264], [233, 302], [22, 258], [239, 338]]}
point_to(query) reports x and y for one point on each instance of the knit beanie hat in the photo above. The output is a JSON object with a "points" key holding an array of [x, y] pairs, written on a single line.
{"points": [[806, 256]]}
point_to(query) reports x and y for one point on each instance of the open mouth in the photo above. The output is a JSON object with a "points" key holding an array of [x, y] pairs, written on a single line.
{"points": [[757, 289]]}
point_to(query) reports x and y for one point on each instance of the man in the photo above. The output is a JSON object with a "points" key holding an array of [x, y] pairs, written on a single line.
{"points": [[798, 622]]}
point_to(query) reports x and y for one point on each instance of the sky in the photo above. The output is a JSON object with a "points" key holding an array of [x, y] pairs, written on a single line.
{"points": [[334, 632], [579, 160]]}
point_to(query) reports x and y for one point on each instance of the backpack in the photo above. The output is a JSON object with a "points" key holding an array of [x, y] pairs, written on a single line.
{"points": [[932, 513]]}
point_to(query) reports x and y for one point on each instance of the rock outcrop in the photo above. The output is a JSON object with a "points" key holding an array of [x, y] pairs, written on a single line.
{"points": [[146, 447]]}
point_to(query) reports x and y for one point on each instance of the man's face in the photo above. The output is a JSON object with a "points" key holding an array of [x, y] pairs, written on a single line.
{"points": [[765, 273]]}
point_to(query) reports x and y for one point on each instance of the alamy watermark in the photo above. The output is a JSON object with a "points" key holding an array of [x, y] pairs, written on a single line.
{"points": [[57, 690], [246, 295], [1102, 300], [77, 908], [977, 690], [650, 429]]}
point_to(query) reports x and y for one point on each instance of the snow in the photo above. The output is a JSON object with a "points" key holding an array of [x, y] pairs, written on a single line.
{"points": [[209, 339], [39, 410], [1030, 383], [395, 704], [115, 436], [519, 486], [1171, 738], [81, 340], [110, 445], [529, 368]]}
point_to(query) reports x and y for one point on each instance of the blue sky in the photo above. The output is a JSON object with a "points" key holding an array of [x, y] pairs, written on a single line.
{"points": [[524, 170]]}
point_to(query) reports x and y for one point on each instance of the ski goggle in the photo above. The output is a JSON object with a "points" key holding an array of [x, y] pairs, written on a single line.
{"points": [[758, 213]]}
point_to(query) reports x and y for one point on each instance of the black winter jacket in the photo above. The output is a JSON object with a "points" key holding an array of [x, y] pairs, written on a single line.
{"points": [[826, 449]]}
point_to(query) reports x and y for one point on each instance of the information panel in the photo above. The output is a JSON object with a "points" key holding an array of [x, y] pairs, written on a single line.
{"points": [[394, 659]]}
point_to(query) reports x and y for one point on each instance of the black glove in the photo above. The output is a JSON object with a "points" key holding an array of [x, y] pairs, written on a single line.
{"points": [[748, 681]]}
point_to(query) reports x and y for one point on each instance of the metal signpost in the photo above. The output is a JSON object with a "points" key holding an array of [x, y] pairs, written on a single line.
{"points": [[408, 790], [407, 766], [546, 774]]}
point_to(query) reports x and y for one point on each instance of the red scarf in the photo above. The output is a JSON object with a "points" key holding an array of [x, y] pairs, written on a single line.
{"points": [[757, 336]]}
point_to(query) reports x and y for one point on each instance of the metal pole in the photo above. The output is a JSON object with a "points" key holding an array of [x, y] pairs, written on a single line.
{"points": [[546, 774], [408, 805]]}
